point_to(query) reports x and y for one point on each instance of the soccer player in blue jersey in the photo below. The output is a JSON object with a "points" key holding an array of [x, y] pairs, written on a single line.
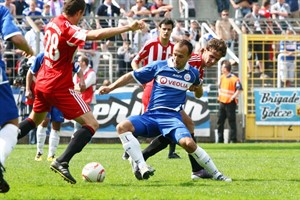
{"points": [[9, 112], [172, 78]]}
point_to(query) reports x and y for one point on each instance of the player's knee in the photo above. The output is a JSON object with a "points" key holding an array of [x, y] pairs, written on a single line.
{"points": [[124, 126], [188, 144]]}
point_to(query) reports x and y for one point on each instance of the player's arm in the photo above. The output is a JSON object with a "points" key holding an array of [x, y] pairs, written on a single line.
{"points": [[29, 79], [80, 87], [103, 33], [122, 81], [20, 42], [197, 89], [134, 65]]}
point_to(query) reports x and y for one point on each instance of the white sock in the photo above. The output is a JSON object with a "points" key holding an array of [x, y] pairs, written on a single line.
{"points": [[8, 140], [132, 146], [40, 138], [53, 142], [205, 161]]}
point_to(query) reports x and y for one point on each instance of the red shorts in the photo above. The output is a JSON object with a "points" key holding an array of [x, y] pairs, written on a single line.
{"points": [[69, 103], [146, 95]]}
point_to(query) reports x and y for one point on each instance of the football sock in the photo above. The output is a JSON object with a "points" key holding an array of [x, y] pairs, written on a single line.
{"points": [[157, 144], [8, 140], [172, 148], [132, 146], [195, 166], [53, 142], [25, 126], [205, 161], [40, 138], [78, 141]]}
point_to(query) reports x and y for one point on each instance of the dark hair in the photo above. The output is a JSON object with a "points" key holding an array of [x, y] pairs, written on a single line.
{"points": [[85, 59], [217, 44], [166, 21], [189, 45], [226, 64], [71, 7]]}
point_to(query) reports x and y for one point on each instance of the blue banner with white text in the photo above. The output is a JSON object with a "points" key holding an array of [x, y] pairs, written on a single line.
{"points": [[277, 106]]}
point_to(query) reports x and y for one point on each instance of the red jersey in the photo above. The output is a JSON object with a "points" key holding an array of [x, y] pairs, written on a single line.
{"points": [[88, 94], [61, 41], [264, 13], [154, 51], [196, 61]]}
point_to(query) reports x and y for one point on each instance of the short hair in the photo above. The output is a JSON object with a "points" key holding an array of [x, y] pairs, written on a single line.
{"points": [[186, 43], [218, 45], [226, 64], [85, 59], [166, 21], [71, 7]]}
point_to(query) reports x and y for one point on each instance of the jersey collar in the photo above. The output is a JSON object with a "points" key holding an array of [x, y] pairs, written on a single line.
{"points": [[171, 64]]}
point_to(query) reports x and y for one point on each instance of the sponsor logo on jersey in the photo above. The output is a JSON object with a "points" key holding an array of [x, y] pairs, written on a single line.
{"points": [[172, 82]]}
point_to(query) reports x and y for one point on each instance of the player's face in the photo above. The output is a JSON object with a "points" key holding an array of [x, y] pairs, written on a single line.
{"points": [[211, 57], [165, 31], [180, 56]]}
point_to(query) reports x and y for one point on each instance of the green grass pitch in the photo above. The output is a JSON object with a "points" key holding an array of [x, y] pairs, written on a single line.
{"points": [[259, 171]]}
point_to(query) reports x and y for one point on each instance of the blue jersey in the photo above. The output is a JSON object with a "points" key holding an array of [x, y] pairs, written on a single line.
{"points": [[290, 46], [8, 29], [37, 63], [170, 84]]}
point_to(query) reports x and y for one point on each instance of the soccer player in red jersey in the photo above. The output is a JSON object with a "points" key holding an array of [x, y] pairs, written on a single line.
{"points": [[54, 82], [207, 57]]}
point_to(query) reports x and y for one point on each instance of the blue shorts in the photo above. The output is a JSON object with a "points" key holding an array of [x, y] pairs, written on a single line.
{"points": [[9, 108], [157, 122], [55, 115]]}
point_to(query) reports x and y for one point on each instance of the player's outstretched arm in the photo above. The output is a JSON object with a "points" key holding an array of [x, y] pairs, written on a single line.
{"points": [[122, 81], [20, 42], [100, 34]]}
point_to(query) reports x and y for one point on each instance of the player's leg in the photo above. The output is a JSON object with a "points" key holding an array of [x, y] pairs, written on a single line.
{"points": [[56, 120], [41, 107], [54, 139], [197, 170], [41, 138], [182, 135], [73, 107], [221, 121], [132, 146], [230, 113], [156, 145], [9, 129], [199, 154]]}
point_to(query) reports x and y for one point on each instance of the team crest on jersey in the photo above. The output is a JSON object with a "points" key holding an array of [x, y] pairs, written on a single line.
{"points": [[187, 77]]}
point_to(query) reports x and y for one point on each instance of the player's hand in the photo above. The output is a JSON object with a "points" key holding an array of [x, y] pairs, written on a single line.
{"points": [[103, 90], [192, 88], [28, 94], [82, 86], [29, 53], [137, 25]]}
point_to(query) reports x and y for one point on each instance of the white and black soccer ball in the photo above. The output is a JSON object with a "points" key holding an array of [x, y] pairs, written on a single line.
{"points": [[93, 172]]}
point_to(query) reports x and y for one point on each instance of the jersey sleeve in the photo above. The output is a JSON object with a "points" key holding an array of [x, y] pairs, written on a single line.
{"points": [[7, 24], [76, 35], [145, 74], [37, 63]]}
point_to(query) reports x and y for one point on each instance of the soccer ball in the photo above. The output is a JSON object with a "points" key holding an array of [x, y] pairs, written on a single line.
{"points": [[93, 172]]}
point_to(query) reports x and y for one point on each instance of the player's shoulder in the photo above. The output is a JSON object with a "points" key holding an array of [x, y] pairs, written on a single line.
{"points": [[151, 42]]}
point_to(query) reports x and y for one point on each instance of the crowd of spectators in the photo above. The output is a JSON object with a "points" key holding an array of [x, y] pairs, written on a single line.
{"points": [[252, 16]]}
